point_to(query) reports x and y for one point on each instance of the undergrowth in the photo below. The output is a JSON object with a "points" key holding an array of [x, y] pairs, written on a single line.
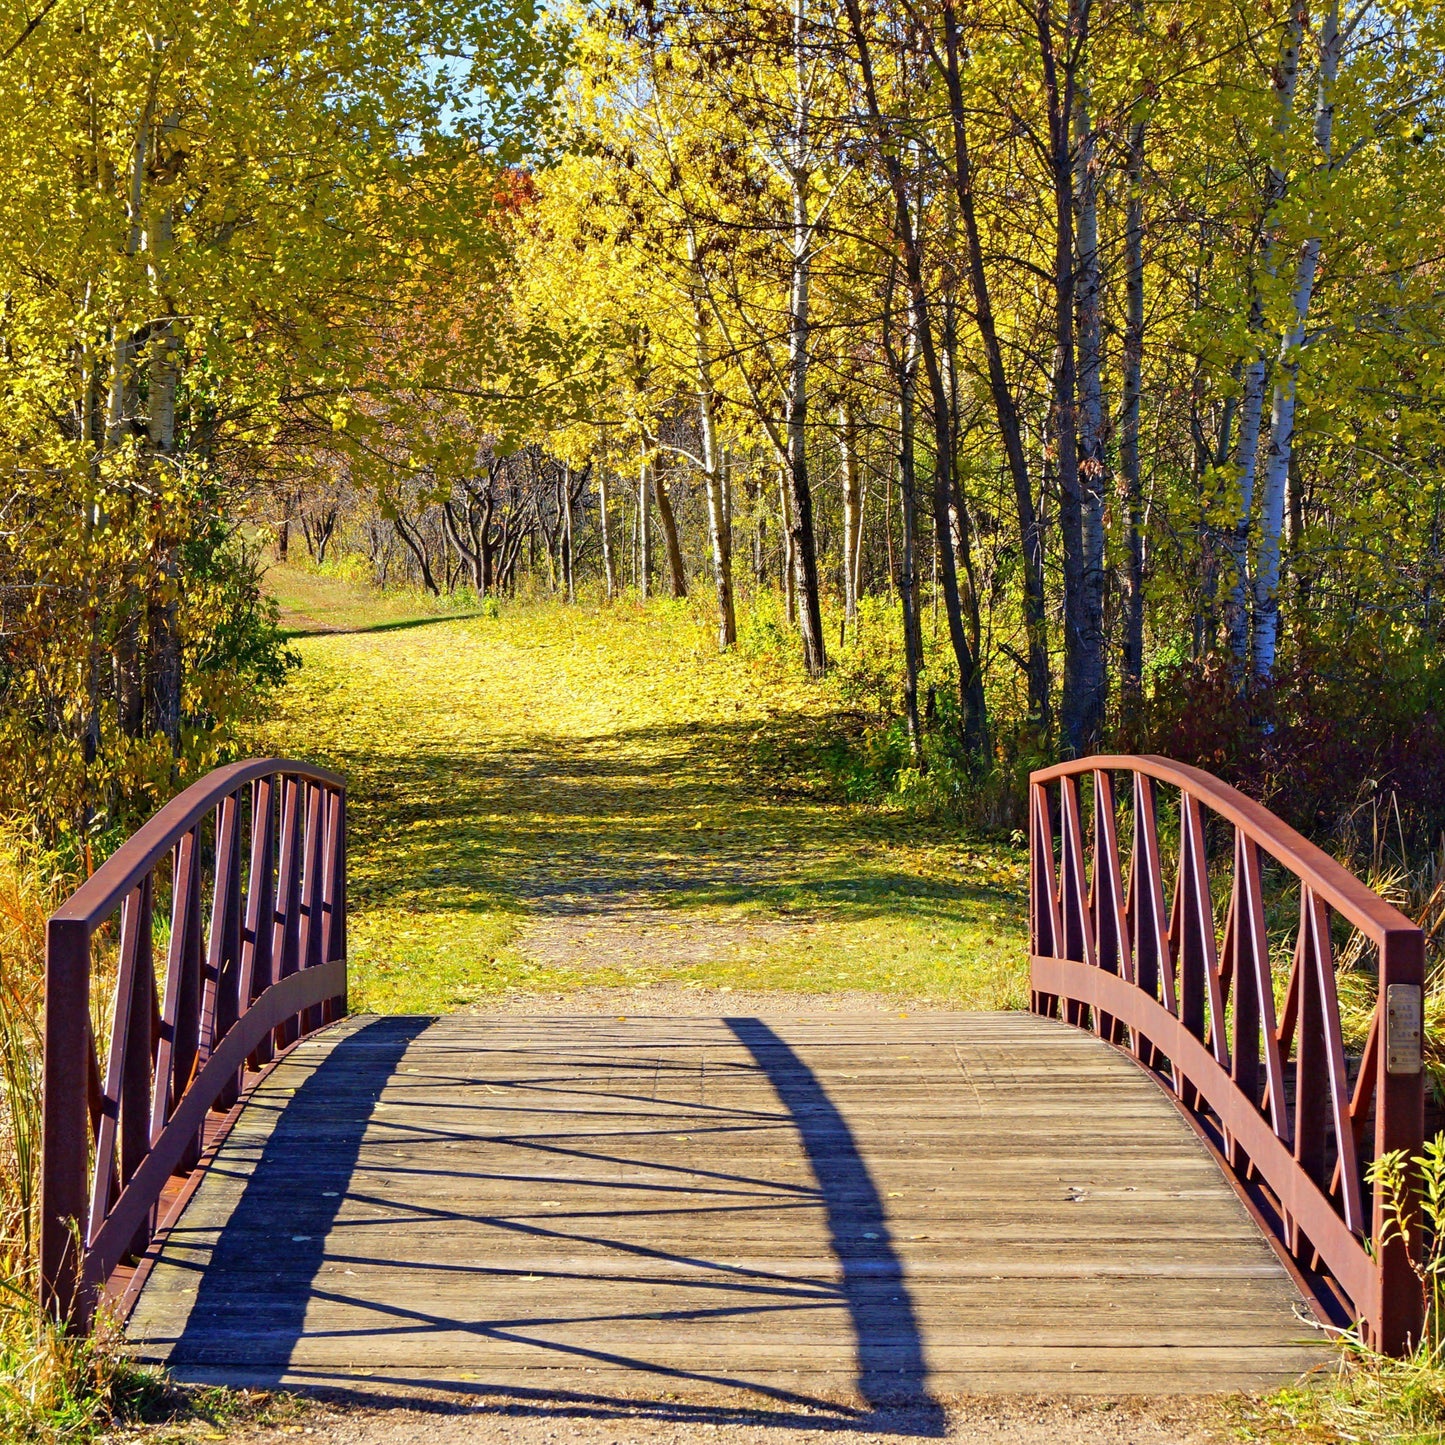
{"points": [[1369, 1397]]}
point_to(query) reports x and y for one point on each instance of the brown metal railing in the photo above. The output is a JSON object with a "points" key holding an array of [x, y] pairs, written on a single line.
{"points": [[1268, 1090], [263, 843]]}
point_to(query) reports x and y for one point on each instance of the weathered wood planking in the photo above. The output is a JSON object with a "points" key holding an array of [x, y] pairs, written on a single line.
{"points": [[842, 1207]]}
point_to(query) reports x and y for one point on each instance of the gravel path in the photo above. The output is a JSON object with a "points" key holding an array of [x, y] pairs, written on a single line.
{"points": [[1013, 1420]]}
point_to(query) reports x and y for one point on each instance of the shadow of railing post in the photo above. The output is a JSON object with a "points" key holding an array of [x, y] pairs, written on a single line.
{"points": [[891, 1369]]}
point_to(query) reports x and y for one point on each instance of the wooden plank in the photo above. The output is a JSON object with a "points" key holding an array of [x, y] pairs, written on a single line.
{"points": [[966, 1201]]}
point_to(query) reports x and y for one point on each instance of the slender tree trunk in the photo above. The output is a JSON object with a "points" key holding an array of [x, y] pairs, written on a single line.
{"points": [[644, 527], [466, 550], [677, 573], [1089, 331], [1132, 669], [970, 677], [604, 526], [1085, 675], [719, 531], [908, 571], [852, 511], [960, 525], [566, 543], [415, 543], [1251, 410], [804, 545], [786, 550], [1031, 531], [1282, 415], [760, 530]]}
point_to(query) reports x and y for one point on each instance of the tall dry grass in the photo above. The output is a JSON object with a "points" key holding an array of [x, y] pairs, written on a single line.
{"points": [[1374, 846], [52, 1387]]}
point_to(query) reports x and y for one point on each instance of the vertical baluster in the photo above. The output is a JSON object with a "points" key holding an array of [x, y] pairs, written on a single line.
{"points": [[308, 947], [284, 934], [1195, 943], [1145, 908], [1046, 934], [1254, 1021], [1336, 1076], [260, 909], [1111, 928], [1146, 897], [1073, 889], [333, 901], [125, 1095], [181, 1008], [219, 1006], [1311, 1100], [68, 1058]]}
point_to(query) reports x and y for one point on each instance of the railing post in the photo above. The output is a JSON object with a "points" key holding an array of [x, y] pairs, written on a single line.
{"points": [[1399, 1124], [65, 1145]]}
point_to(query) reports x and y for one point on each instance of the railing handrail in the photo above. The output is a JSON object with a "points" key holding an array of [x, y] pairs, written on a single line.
{"points": [[254, 959], [95, 900], [1363, 907], [1271, 1092]]}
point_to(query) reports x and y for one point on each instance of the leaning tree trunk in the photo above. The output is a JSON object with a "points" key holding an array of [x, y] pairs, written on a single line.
{"points": [[804, 543], [677, 573], [908, 570], [1006, 410], [972, 703]]}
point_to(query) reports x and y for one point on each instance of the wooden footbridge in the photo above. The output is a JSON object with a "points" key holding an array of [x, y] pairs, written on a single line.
{"points": [[1157, 1180]]}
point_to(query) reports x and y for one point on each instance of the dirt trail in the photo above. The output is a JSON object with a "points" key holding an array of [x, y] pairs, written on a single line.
{"points": [[1017, 1420]]}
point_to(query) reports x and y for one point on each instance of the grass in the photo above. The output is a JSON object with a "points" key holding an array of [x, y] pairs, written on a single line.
{"points": [[526, 784], [320, 602]]}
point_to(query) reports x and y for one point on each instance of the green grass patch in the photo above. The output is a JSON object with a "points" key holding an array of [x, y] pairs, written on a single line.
{"points": [[558, 767]]}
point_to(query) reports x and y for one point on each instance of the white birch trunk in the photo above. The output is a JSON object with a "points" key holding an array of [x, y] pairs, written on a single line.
{"points": [[1286, 384], [720, 533], [852, 511], [1251, 411]]}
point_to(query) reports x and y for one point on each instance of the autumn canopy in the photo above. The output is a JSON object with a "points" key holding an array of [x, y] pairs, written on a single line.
{"points": [[1064, 372]]}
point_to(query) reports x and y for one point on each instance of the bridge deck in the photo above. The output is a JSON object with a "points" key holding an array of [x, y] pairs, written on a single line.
{"points": [[853, 1208]]}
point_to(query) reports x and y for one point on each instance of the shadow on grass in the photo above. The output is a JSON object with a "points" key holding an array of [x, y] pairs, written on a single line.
{"points": [[402, 626], [663, 816]]}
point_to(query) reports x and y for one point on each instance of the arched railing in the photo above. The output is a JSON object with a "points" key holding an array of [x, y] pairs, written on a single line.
{"points": [[249, 865], [1270, 1089]]}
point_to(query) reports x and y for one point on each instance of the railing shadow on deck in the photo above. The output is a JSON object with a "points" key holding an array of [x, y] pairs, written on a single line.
{"points": [[891, 1373], [325, 1142]]}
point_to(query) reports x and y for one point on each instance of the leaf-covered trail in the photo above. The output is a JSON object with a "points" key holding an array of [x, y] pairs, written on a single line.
{"points": [[559, 798]]}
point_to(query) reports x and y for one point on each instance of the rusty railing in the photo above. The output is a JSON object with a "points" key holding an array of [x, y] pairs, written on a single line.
{"points": [[1268, 1090], [260, 847]]}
